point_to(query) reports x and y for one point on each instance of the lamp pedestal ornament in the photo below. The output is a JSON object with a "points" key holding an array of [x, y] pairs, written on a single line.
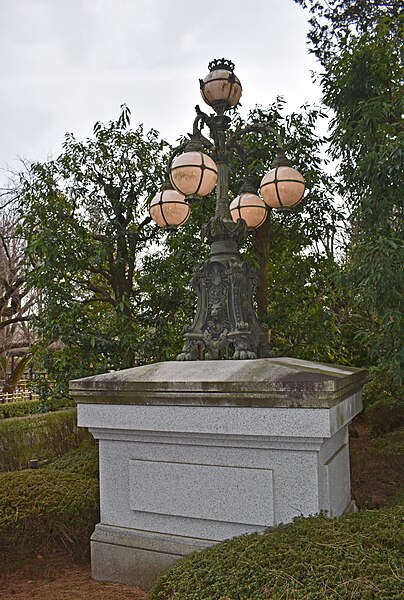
{"points": [[225, 323]]}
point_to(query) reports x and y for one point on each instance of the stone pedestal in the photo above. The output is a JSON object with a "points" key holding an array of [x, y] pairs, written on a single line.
{"points": [[196, 452]]}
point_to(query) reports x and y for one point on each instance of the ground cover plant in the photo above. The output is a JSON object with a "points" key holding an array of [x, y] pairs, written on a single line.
{"points": [[357, 556]]}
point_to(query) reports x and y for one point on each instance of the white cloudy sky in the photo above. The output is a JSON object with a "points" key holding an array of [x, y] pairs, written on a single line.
{"points": [[65, 64]]}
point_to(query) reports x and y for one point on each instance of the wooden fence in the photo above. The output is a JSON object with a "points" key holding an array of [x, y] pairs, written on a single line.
{"points": [[23, 391], [19, 395]]}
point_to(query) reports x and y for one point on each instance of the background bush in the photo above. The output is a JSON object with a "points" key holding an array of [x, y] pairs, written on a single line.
{"points": [[385, 415], [357, 556], [384, 400], [19, 409], [39, 436], [44, 509]]}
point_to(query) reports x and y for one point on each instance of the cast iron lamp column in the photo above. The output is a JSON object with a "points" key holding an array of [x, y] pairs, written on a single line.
{"points": [[225, 324]]}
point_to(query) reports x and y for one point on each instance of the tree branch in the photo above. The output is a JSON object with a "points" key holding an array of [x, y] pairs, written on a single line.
{"points": [[4, 324]]}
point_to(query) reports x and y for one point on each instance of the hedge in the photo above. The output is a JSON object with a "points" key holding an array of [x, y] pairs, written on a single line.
{"points": [[19, 409], [385, 415], [356, 556], [82, 461], [41, 437], [390, 445], [41, 510]]}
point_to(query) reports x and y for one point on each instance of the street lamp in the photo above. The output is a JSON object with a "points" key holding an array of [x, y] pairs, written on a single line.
{"points": [[225, 324]]}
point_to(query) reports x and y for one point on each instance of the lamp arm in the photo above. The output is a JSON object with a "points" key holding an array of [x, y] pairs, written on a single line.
{"points": [[243, 157], [205, 119], [177, 150], [201, 117]]}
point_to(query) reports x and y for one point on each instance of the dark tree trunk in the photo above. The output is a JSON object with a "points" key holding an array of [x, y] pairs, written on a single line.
{"points": [[261, 248]]}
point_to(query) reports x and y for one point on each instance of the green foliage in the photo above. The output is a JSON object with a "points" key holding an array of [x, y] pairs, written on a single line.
{"points": [[390, 445], [19, 409], [382, 384], [166, 275], [360, 49], [312, 225], [397, 499], [41, 510], [83, 460], [305, 314], [385, 415], [115, 300], [384, 399], [357, 556], [39, 436], [84, 216]]}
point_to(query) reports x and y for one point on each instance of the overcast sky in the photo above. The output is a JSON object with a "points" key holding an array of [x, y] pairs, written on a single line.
{"points": [[65, 64]]}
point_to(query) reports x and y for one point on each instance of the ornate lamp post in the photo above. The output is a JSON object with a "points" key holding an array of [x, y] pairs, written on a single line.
{"points": [[225, 324]]}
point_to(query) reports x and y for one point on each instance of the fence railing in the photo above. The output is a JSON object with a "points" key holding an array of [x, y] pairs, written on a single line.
{"points": [[24, 390], [19, 395]]}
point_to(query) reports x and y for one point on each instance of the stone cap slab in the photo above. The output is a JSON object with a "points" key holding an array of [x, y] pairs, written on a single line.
{"points": [[266, 382]]}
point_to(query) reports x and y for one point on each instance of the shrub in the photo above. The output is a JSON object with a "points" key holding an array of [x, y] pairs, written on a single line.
{"points": [[356, 556], [19, 409], [38, 436], [376, 468], [41, 510], [385, 415], [82, 460], [384, 399], [391, 445]]}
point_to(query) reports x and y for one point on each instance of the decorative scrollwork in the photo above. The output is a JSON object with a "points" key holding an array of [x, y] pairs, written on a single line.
{"points": [[221, 229], [225, 323]]}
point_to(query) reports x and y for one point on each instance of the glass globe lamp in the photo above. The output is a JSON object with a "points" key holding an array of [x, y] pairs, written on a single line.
{"points": [[282, 187], [249, 207], [169, 209], [221, 86], [193, 174]]}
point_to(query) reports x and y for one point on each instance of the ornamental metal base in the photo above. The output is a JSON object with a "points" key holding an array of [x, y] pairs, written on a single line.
{"points": [[225, 325]]}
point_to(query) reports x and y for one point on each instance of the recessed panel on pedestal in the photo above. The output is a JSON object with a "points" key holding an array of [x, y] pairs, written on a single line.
{"points": [[211, 492]]}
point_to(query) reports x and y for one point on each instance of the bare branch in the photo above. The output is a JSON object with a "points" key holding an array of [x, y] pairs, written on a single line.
{"points": [[8, 322]]}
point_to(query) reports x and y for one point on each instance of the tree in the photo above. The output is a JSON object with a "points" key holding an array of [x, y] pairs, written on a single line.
{"points": [[87, 228], [17, 301], [360, 48], [115, 298]]}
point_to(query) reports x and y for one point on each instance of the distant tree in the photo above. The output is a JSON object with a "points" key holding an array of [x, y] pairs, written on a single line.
{"points": [[17, 301], [84, 216], [115, 289]]}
